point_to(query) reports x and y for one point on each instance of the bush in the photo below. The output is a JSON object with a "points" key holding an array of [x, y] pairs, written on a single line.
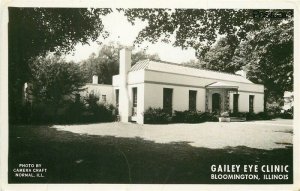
{"points": [[102, 113], [73, 112], [189, 117], [252, 116], [70, 112], [288, 114], [156, 116], [274, 111], [211, 117]]}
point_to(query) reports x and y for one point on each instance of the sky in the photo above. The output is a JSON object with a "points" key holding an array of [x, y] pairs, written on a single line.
{"points": [[123, 32]]}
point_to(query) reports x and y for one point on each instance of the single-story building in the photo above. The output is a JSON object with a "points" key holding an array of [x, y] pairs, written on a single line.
{"points": [[159, 84]]}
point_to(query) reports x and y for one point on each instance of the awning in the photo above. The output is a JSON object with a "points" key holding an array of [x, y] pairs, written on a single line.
{"points": [[222, 85]]}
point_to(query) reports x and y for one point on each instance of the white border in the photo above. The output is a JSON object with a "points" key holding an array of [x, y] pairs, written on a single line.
{"points": [[247, 4]]}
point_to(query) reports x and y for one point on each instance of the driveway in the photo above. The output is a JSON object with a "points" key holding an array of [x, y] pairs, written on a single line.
{"points": [[257, 134]]}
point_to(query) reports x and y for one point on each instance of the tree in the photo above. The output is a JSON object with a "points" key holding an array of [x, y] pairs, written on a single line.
{"points": [[263, 45], [268, 58], [106, 64], [53, 81], [219, 57], [198, 28], [36, 31]]}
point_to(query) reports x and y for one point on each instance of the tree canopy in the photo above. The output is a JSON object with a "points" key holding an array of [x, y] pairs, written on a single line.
{"points": [[53, 80], [35, 31], [227, 40], [106, 63]]}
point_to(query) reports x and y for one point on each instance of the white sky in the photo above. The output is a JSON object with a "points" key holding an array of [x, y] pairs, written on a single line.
{"points": [[123, 32]]}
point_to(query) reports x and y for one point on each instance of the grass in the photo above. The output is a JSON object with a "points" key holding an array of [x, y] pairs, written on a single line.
{"points": [[75, 158]]}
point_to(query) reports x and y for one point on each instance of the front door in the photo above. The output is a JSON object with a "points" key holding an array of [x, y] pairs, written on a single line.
{"points": [[216, 102]]}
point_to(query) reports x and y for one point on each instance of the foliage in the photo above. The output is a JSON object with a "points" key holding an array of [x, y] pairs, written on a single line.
{"points": [[91, 100], [159, 116], [54, 80], [69, 113], [253, 116], [288, 114], [271, 60], [219, 57], [188, 116], [227, 40], [36, 31], [193, 28], [156, 116], [98, 112], [212, 116], [225, 114], [274, 110], [106, 63]]}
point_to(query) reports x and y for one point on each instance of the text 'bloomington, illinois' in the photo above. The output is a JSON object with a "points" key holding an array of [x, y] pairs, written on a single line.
{"points": [[269, 172]]}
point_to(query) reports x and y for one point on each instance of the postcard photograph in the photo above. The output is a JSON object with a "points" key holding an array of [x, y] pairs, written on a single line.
{"points": [[150, 95]]}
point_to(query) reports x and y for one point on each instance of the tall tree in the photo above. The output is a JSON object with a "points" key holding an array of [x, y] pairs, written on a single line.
{"points": [[219, 57], [268, 58], [106, 64], [35, 31], [198, 28], [263, 44], [53, 80]]}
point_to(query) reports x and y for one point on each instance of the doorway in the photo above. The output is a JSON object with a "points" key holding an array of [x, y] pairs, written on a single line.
{"points": [[216, 102]]}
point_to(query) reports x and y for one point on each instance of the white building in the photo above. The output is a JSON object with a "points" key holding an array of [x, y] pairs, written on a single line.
{"points": [[170, 86]]}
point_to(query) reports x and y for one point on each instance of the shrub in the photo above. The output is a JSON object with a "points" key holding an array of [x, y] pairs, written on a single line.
{"points": [[288, 114], [156, 116], [70, 112], [274, 111], [189, 117], [211, 116], [252, 116], [258, 116], [74, 112], [103, 113], [98, 112]]}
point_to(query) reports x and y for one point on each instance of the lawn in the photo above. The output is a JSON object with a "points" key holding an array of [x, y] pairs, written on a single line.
{"points": [[85, 154]]}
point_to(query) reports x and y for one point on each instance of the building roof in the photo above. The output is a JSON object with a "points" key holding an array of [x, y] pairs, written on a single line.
{"points": [[162, 66], [221, 85]]}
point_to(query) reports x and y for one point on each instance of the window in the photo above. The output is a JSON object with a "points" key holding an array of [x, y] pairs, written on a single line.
{"points": [[167, 99], [117, 98], [104, 98], [134, 97], [192, 100], [235, 103], [251, 103], [134, 101]]}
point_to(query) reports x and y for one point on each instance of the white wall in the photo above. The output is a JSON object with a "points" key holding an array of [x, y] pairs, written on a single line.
{"points": [[154, 96], [99, 90], [258, 103], [244, 102]]}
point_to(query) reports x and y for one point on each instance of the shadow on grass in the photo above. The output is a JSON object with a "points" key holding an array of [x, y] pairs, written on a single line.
{"points": [[74, 158]]}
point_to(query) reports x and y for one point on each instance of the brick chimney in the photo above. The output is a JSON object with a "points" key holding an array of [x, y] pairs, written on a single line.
{"points": [[125, 65]]}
